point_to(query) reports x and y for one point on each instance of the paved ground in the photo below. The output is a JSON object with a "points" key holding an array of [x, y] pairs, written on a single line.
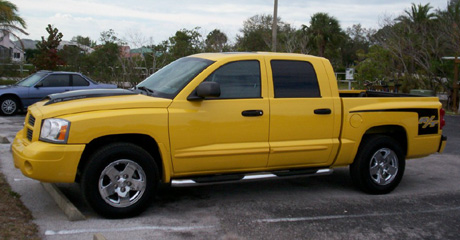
{"points": [[426, 205]]}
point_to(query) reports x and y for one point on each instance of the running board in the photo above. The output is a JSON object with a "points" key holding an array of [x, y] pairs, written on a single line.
{"points": [[233, 178]]}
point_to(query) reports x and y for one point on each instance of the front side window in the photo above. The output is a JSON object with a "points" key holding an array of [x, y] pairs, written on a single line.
{"points": [[294, 79], [168, 81], [56, 80], [238, 79], [31, 80]]}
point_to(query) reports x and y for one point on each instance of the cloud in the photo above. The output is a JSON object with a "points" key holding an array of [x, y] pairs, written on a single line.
{"points": [[161, 19]]}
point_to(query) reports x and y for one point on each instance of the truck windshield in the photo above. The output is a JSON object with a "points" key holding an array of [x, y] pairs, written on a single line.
{"points": [[168, 81], [31, 80]]}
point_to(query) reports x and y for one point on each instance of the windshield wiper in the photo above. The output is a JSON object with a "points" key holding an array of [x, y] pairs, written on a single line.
{"points": [[147, 90]]}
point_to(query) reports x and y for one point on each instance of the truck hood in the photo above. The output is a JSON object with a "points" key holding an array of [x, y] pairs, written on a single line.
{"points": [[99, 100]]}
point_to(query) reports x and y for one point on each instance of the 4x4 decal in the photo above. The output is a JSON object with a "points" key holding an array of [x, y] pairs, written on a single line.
{"points": [[428, 120]]}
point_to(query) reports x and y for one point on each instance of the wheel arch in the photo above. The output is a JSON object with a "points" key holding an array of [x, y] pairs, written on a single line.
{"points": [[396, 132], [146, 142], [15, 96]]}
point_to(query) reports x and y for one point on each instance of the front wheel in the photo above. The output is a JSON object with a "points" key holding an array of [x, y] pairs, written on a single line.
{"points": [[379, 165], [119, 180], [8, 106]]}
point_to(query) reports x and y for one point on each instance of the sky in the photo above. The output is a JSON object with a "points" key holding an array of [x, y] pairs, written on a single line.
{"points": [[145, 22]]}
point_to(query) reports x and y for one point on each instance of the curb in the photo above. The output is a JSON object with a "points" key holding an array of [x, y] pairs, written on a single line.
{"points": [[72, 213], [3, 140], [98, 236]]}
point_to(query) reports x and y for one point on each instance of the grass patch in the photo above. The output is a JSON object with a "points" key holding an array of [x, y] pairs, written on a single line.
{"points": [[451, 113], [7, 82], [15, 218]]}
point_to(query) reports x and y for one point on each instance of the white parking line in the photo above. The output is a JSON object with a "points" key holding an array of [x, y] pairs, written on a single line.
{"points": [[160, 228], [330, 217], [22, 179]]}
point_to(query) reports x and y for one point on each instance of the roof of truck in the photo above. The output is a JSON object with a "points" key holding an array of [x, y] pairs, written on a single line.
{"points": [[223, 55]]}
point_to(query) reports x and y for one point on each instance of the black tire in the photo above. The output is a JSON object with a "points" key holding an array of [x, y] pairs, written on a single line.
{"points": [[120, 180], [8, 106], [379, 165]]}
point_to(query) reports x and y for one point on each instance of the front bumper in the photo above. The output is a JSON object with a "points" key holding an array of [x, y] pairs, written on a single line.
{"points": [[46, 162]]}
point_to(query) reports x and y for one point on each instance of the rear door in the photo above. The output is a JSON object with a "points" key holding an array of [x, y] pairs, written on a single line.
{"points": [[302, 115], [79, 83]]}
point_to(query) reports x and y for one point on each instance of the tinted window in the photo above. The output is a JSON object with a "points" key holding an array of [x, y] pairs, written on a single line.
{"points": [[294, 79], [79, 81], [56, 80], [238, 79]]}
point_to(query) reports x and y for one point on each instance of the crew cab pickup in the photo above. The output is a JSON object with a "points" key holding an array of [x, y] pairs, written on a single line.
{"points": [[223, 117]]}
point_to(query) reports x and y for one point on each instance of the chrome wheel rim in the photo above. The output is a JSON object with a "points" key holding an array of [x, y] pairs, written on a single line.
{"points": [[383, 166], [8, 106], [122, 183]]}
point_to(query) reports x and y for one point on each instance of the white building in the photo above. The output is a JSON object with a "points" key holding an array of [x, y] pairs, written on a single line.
{"points": [[8, 50]]}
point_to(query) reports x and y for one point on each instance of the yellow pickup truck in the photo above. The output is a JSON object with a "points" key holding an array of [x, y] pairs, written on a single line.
{"points": [[223, 117]]}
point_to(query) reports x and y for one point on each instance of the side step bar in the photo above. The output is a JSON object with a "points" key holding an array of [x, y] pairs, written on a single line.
{"points": [[233, 178]]}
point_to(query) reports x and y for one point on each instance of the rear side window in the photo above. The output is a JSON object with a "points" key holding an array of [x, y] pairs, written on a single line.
{"points": [[79, 81], [294, 79], [238, 79]]}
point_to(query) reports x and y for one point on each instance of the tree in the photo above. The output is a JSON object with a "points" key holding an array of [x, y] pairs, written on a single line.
{"points": [[110, 36], [105, 59], [376, 65], [185, 42], [418, 14], [216, 41], [356, 44], [325, 32], [72, 57], [48, 57], [257, 33], [450, 30], [10, 21], [416, 43], [86, 41]]}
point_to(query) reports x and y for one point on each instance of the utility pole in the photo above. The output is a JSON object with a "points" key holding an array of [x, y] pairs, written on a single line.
{"points": [[455, 86], [275, 26]]}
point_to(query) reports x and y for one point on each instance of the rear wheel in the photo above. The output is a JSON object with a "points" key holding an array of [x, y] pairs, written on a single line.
{"points": [[120, 180], [379, 165], [8, 106]]}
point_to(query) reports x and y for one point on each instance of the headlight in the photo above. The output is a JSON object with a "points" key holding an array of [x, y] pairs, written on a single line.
{"points": [[55, 130]]}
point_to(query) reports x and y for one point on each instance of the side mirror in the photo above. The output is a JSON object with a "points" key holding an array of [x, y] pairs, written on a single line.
{"points": [[38, 85], [204, 90]]}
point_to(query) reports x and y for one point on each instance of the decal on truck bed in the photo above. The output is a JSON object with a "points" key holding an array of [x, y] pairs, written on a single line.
{"points": [[428, 120]]}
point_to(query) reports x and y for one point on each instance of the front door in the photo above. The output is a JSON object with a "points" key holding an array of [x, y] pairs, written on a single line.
{"points": [[227, 132], [55, 83]]}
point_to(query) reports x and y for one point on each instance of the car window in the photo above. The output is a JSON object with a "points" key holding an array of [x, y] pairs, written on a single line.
{"points": [[294, 79], [79, 81], [238, 79], [56, 80], [31, 80]]}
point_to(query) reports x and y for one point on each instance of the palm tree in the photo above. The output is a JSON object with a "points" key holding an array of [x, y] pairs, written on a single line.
{"points": [[10, 21], [418, 14], [324, 30]]}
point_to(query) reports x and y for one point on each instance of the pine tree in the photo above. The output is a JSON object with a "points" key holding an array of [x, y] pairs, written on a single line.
{"points": [[48, 58]]}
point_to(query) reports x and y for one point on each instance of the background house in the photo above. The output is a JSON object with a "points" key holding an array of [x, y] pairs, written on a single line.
{"points": [[9, 50]]}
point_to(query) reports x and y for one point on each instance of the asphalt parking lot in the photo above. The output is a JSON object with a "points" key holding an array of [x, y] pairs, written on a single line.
{"points": [[426, 205]]}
